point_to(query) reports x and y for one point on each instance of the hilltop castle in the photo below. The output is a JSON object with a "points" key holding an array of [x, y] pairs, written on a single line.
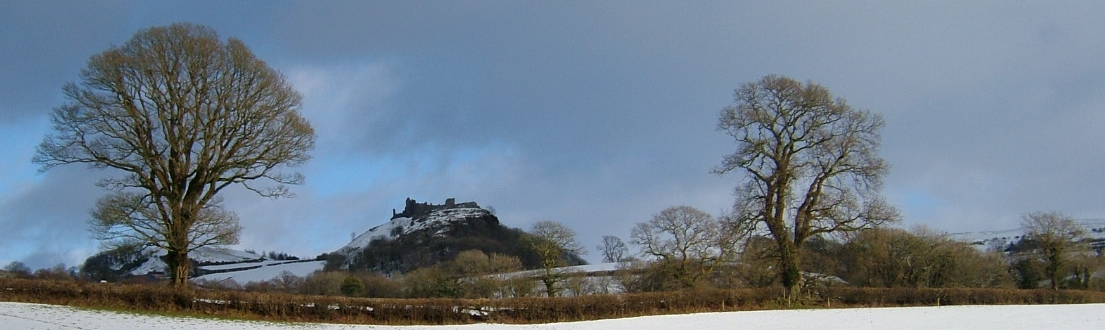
{"points": [[413, 209]]}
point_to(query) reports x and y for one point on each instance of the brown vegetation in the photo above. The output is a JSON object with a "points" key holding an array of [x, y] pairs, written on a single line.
{"points": [[314, 308]]}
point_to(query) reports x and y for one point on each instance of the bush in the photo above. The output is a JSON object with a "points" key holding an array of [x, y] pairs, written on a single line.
{"points": [[352, 287]]}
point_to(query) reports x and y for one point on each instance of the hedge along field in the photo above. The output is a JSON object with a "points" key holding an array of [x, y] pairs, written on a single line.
{"points": [[328, 309]]}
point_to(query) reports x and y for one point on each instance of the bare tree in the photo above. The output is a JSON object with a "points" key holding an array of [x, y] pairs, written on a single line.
{"points": [[1055, 236], [688, 241], [182, 115], [612, 248], [553, 242], [811, 163]]}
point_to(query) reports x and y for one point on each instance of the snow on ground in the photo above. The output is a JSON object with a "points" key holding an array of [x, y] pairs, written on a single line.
{"points": [[221, 254], [1088, 316], [603, 267], [587, 269], [268, 270], [206, 254], [1095, 230]]}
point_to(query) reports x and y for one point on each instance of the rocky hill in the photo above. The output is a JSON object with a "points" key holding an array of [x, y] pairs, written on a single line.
{"points": [[425, 234]]}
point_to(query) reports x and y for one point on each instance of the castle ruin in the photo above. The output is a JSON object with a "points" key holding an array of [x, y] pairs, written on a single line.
{"points": [[414, 209]]}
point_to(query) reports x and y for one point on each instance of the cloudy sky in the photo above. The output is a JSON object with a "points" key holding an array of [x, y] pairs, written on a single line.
{"points": [[593, 114]]}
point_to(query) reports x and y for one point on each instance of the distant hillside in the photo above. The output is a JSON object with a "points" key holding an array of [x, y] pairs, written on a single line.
{"points": [[421, 235], [1006, 239], [425, 234], [116, 264]]}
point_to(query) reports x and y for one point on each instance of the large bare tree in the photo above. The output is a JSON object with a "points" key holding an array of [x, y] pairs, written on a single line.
{"points": [[182, 115], [811, 165]]}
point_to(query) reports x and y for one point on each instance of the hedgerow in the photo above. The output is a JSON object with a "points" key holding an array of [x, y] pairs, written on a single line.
{"points": [[332, 309]]}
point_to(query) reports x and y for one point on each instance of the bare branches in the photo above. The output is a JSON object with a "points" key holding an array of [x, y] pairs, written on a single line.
{"points": [[131, 219], [811, 164], [184, 115], [691, 242]]}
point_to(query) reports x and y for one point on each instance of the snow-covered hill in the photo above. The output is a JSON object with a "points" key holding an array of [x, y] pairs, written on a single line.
{"points": [[437, 221], [220, 264], [425, 234], [221, 255], [203, 255], [1095, 230], [260, 271]]}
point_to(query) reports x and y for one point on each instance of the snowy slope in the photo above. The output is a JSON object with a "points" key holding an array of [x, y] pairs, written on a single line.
{"points": [[262, 270], [205, 254], [586, 269], [1088, 316], [221, 255], [437, 219], [1095, 230]]}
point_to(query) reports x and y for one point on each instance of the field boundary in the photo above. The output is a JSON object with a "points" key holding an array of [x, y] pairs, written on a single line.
{"points": [[330, 309]]}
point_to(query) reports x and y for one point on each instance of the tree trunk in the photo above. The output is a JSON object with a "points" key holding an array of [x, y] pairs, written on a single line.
{"points": [[789, 272], [177, 251], [550, 286], [1052, 268], [550, 280], [179, 268]]}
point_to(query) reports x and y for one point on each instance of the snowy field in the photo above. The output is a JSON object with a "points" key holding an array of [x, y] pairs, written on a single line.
{"points": [[1088, 316], [266, 270]]}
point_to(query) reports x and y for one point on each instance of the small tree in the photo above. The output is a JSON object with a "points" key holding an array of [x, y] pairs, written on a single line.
{"points": [[1055, 237], [811, 163], [182, 115], [553, 242], [613, 249], [352, 286], [688, 243]]}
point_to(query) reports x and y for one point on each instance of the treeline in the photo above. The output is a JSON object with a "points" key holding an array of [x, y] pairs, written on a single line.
{"points": [[876, 258], [471, 274], [882, 257], [19, 270]]}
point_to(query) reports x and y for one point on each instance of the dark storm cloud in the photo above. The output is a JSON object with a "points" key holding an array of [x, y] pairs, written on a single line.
{"points": [[48, 218], [39, 42], [601, 114]]}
